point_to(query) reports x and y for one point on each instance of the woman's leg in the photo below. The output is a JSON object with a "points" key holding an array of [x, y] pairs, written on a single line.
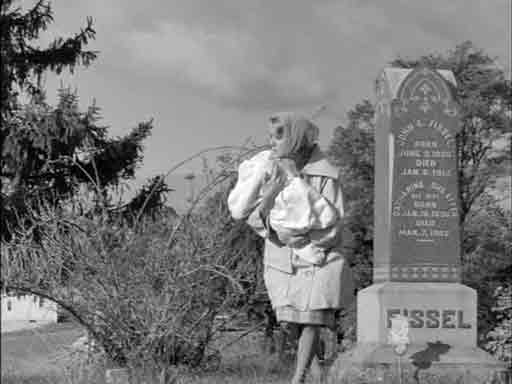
{"points": [[307, 349]]}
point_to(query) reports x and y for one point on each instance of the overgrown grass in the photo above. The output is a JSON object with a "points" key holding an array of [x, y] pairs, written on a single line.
{"points": [[44, 356], [33, 351]]}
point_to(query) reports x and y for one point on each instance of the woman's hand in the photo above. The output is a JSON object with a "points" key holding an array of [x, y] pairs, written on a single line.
{"points": [[288, 167], [282, 172], [275, 184]]}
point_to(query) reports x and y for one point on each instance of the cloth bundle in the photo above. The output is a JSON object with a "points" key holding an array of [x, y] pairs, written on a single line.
{"points": [[298, 210]]}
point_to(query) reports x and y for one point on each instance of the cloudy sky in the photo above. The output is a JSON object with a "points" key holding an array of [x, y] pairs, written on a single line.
{"points": [[210, 72]]}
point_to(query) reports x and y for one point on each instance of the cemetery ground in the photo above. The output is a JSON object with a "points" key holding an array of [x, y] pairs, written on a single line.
{"points": [[185, 270], [45, 355]]}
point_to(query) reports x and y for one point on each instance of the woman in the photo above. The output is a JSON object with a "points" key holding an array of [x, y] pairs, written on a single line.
{"points": [[303, 293]]}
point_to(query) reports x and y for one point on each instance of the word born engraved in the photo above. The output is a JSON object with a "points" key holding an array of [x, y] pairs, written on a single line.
{"points": [[424, 193], [432, 125]]}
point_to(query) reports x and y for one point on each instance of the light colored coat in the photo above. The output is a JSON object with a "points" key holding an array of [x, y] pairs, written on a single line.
{"points": [[291, 281], [299, 209]]}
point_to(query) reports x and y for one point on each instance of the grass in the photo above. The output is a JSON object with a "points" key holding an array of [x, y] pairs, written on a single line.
{"points": [[40, 356], [35, 352]]}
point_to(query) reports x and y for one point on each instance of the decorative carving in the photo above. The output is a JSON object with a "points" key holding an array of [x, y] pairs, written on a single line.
{"points": [[399, 107], [425, 272], [382, 105], [426, 88]]}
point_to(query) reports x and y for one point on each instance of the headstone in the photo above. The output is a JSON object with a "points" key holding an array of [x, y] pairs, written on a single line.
{"points": [[417, 231], [425, 229], [417, 235]]}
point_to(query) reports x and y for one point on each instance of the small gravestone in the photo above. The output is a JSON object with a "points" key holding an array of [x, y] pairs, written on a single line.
{"points": [[417, 237]]}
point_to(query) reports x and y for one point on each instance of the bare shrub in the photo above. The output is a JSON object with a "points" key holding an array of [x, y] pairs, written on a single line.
{"points": [[146, 293]]}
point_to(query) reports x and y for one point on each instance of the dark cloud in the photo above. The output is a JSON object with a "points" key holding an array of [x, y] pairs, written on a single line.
{"points": [[210, 72], [247, 53]]}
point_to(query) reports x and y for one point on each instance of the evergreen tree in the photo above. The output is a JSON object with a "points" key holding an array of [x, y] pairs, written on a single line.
{"points": [[50, 153], [23, 61]]}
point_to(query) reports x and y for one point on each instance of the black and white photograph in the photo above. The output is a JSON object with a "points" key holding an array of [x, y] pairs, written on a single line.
{"points": [[256, 192]]}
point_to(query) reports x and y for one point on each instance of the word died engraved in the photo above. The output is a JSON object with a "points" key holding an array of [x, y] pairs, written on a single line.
{"points": [[430, 206], [425, 226]]}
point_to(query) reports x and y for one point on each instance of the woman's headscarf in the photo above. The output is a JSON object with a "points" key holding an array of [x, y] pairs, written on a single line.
{"points": [[299, 132]]}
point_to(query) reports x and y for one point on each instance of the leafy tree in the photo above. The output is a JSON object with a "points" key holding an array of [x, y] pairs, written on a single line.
{"points": [[352, 148], [487, 264], [485, 97], [499, 339], [486, 101]]}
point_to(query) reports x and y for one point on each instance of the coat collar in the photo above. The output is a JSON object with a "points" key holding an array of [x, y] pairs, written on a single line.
{"points": [[319, 165]]}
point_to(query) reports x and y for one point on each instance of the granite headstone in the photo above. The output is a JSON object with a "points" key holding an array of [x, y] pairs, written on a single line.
{"points": [[425, 228], [417, 236]]}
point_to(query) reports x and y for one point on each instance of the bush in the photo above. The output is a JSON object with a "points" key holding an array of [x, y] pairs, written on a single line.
{"points": [[487, 266], [149, 291], [135, 296], [499, 340]]}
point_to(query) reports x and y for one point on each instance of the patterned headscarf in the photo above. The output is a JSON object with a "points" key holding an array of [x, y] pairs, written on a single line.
{"points": [[299, 132]]}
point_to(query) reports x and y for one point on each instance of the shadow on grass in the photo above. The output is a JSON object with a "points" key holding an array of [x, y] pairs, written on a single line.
{"points": [[423, 359], [250, 369], [32, 379], [43, 356]]}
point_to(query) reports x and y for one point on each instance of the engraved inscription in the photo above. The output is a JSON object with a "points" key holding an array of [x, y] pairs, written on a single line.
{"points": [[424, 193]]}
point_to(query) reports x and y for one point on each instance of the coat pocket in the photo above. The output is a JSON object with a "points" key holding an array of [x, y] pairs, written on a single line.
{"points": [[300, 286], [333, 284], [277, 284]]}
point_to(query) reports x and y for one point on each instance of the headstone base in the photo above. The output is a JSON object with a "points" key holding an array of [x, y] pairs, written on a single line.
{"points": [[437, 311], [442, 333], [379, 364]]}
